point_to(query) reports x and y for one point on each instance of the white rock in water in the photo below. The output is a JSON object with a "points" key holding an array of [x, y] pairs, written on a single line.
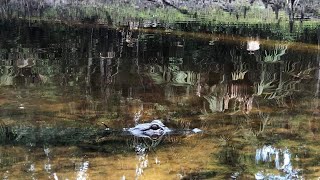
{"points": [[196, 130]]}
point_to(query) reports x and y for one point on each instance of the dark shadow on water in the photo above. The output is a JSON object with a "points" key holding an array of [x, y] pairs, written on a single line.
{"points": [[199, 175]]}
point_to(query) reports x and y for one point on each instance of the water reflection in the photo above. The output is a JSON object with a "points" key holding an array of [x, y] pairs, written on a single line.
{"points": [[275, 55], [266, 153], [82, 169], [146, 137], [55, 92], [253, 45]]}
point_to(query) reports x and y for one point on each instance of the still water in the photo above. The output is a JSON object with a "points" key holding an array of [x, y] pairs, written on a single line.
{"points": [[228, 107]]}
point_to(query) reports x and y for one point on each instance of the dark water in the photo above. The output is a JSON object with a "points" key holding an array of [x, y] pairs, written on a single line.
{"points": [[257, 102]]}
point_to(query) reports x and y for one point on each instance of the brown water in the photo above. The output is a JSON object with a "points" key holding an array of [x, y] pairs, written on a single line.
{"points": [[58, 83]]}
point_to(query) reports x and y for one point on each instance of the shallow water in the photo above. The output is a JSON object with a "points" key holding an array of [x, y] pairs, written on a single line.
{"points": [[256, 102]]}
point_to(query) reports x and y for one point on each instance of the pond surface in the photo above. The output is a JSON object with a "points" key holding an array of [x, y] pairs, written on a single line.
{"points": [[68, 96]]}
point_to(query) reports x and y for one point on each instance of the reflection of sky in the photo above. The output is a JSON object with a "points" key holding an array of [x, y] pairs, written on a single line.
{"points": [[48, 165], [32, 170], [282, 162], [142, 164], [82, 171], [253, 45]]}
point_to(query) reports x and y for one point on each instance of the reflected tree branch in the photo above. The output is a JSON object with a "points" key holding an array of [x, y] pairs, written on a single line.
{"points": [[275, 55]]}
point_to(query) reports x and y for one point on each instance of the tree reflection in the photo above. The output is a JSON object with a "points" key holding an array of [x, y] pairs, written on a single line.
{"points": [[275, 55], [266, 83], [7, 75], [105, 68], [57, 86]]}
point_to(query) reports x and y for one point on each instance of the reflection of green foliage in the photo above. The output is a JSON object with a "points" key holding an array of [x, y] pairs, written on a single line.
{"points": [[106, 13]]}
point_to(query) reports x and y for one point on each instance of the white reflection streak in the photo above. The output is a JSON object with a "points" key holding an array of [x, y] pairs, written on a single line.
{"points": [[82, 173], [55, 177], [138, 115], [47, 166], [32, 169], [265, 154], [6, 175], [198, 93], [157, 160], [142, 164], [277, 160], [142, 161]]}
